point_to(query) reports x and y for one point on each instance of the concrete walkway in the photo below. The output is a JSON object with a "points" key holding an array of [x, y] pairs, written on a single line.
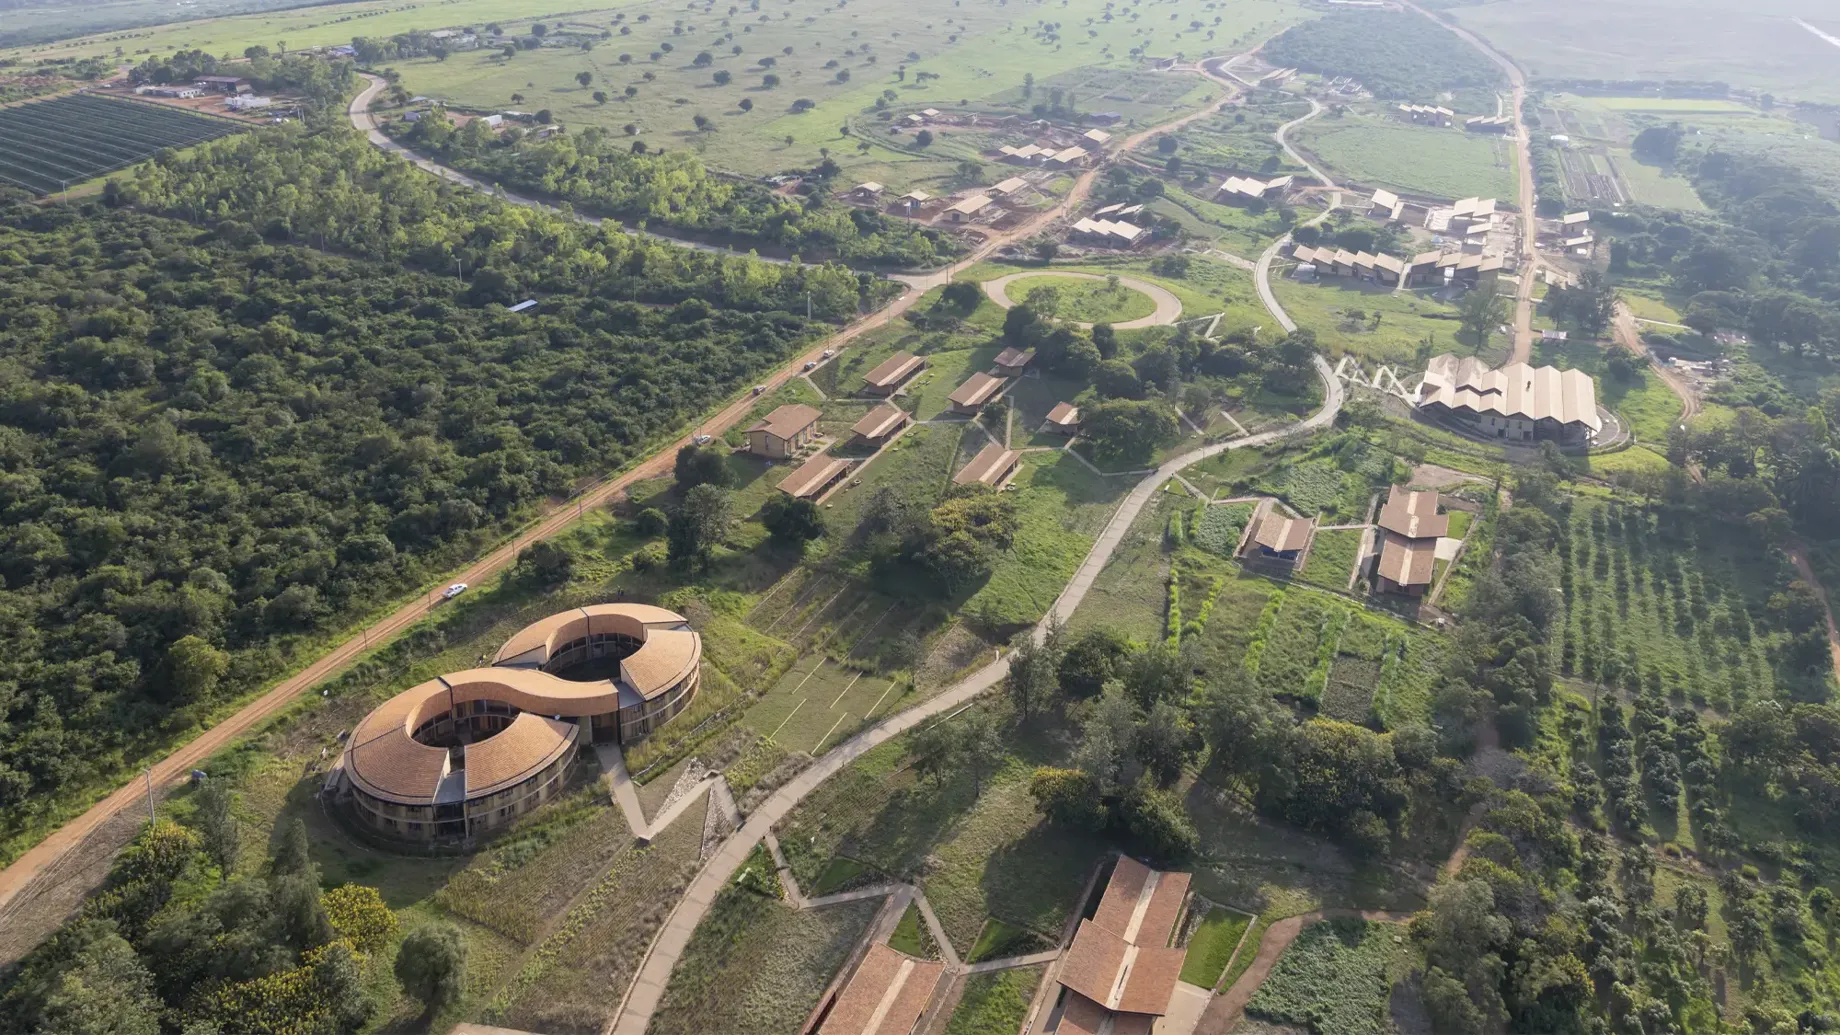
{"points": [[654, 973], [1168, 307]]}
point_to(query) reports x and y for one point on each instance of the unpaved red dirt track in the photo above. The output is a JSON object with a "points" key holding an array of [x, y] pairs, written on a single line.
{"points": [[1798, 555], [40, 888]]}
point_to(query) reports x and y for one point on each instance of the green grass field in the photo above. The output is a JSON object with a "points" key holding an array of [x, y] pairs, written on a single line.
{"points": [[1406, 320], [1211, 947], [1082, 300], [1332, 559], [818, 702], [995, 1003], [1651, 185], [1334, 979], [1668, 105], [1380, 152]]}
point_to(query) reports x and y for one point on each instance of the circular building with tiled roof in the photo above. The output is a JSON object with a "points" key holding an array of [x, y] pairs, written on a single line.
{"points": [[467, 752]]}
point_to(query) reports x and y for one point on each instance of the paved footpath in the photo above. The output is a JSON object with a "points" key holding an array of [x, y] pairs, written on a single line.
{"points": [[649, 983]]}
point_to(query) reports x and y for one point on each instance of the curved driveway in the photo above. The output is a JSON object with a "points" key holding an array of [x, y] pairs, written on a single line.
{"points": [[1261, 273], [1168, 307]]}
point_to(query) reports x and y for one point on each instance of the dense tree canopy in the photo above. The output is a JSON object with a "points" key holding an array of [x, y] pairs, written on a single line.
{"points": [[1396, 54], [212, 445], [673, 190]]}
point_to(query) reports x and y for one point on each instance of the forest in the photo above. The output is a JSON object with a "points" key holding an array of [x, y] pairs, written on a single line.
{"points": [[1765, 263], [215, 444], [601, 173], [1395, 54]]}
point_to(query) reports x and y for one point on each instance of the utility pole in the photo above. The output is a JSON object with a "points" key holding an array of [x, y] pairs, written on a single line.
{"points": [[807, 305], [152, 817]]}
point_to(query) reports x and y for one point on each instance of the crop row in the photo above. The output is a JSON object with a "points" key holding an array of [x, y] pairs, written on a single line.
{"points": [[70, 139]]}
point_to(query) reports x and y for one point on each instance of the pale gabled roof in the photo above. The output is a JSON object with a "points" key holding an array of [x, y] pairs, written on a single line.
{"points": [[1408, 562], [1097, 136], [1064, 414], [1015, 357], [1413, 514], [971, 204], [787, 421], [1389, 263], [977, 389], [988, 467], [1281, 534], [870, 187], [893, 369], [1516, 390], [885, 996], [879, 421], [810, 477], [1574, 218], [1011, 185], [915, 195], [1072, 154], [1385, 199]]}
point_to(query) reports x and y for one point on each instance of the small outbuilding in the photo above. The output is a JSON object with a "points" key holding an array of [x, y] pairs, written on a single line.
{"points": [[1064, 418], [891, 373], [1011, 361], [881, 423], [1283, 537], [814, 477], [978, 389], [993, 466], [967, 209]]}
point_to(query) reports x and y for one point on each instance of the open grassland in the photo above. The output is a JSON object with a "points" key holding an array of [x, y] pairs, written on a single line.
{"points": [[755, 966], [1651, 408], [817, 703], [1652, 185], [995, 1003], [842, 60], [1380, 152], [1407, 319], [1335, 979], [1756, 45], [1082, 300]]}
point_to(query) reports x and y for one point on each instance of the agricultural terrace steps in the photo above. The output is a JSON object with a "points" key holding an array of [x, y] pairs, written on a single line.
{"points": [[648, 985], [1168, 307]]}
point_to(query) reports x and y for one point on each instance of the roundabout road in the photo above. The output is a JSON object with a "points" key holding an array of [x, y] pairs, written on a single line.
{"points": [[1168, 307]]}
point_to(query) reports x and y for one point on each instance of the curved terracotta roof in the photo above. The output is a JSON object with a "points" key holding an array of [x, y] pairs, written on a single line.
{"points": [[383, 758]]}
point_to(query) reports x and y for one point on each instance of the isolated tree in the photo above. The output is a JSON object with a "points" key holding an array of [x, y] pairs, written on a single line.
{"points": [[769, 80], [538, 29], [1166, 741], [431, 965], [631, 92], [791, 520], [722, 77], [703, 59], [544, 117], [747, 104], [545, 565], [934, 751], [517, 98], [701, 522], [600, 97], [924, 138], [584, 78], [293, 853], [700, 121], [217, 825], [1033, 679], [1480, 312], [982, 750]]}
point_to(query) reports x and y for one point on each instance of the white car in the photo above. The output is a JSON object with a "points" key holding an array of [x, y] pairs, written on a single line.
{"points": [[828, 353], [700, 440], [453, 591]]}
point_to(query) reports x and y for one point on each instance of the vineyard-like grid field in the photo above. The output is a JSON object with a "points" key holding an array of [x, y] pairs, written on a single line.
{"points": [[58, 142]]}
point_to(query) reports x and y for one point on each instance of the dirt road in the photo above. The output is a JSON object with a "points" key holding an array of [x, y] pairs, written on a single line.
{"points": [[40, 888], [1623, 325], [1523, 302]]}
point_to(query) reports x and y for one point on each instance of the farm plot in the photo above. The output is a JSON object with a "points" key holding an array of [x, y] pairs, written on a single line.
{"points": [[1220, 526], [1439, 163], [52, 144], [1666, 607], [817, 701], [1296, 637], [1333, 979], [1331, 559]]}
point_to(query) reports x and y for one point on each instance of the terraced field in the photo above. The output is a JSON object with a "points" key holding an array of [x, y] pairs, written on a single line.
{"points": [[52, 144]]}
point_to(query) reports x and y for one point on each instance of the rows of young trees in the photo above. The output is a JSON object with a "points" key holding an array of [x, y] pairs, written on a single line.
{"points": [[215, 444], [1398, 55], [603, 173]]}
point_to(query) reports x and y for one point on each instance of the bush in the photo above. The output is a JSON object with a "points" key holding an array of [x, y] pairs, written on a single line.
{"points": [[650, 522], [431, 965]]}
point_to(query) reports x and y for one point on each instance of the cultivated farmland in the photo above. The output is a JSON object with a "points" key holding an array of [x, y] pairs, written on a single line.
{"points": [[55, 143]]}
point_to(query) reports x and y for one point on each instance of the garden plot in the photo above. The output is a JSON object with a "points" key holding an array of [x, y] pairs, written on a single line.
{"points": [[562, 985], [996, 1003], [755, 966], [1676, 609], [817, 702], [1332, 556], [1335, 979]]}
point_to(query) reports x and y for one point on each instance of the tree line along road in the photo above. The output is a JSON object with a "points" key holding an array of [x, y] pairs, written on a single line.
{"points": [[41, 887]]}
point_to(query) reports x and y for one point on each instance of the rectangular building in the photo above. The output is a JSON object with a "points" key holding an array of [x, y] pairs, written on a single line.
{"points": [[885, 996], [993, 466], [1519, 403], [891, 373], [977, 390], [814, 477], [1121, 970], [784, 431], [881, 423]]}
